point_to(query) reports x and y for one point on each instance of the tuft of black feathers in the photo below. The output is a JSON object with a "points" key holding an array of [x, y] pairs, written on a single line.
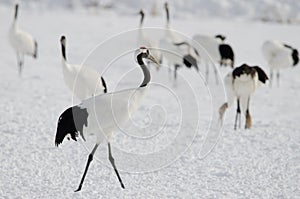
{"points": [[71, 121], [190, 61], [250, 70], [243, 69], [226, 52], [262, 76]]}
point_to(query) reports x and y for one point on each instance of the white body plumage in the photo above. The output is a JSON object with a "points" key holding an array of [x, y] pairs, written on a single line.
{"points": [[103, 114], [113, 111], [277, 55], [209, 49], [84, 82], [22, 42], [240, 84], [144, 40]]}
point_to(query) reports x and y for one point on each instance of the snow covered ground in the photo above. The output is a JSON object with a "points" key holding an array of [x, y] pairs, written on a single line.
{"points": [[262, 162]]}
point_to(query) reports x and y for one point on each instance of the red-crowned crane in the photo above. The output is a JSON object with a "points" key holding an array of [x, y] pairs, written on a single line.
{"points": [[104, 114], [22, 42], [84, 82], [240, 84], [279, 56]]}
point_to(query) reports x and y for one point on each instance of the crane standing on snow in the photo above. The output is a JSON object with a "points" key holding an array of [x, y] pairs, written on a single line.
{"points": [[279, 56], [22, 42], [90, 82], [241, 83], [104, 114]]}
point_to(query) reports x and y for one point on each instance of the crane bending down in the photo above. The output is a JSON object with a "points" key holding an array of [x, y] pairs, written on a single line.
{"points": [[279, 56], [90, 82], [214, 50], [104, 114], [241, 83], [22, 42]]}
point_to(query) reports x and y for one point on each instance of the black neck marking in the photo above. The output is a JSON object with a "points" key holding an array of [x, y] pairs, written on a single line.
{"points": [[182, 43], [167, 12], [71, 121], [104, 84], [222, 37], [35, 50], [288, 46], [145, 70], [186, 43], [63, 47], [142, 17], [16, 11]]}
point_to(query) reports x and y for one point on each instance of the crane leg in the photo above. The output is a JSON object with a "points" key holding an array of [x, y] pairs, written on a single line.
{"points": [[277, 77], [222, 110], [20, 59], [207, 72], [271, 78], [216, 75], [112, 161], [238, 115], [176, 66], [248, 116], [90, 158]]}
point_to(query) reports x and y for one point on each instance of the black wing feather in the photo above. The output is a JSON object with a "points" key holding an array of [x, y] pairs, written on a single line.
{"points": [[71, 121], [262, 76]]}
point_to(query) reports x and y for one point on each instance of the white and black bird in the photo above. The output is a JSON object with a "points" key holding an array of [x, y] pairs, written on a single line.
{"points": [[190, 57], [279, 56], [240, 84], [83, 81], [144, 40], [212, 49], [226, 53], [176, 49], [104, 114], [22, 42]]}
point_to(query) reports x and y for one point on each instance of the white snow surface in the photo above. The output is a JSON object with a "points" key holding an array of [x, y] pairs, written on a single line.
{"points": [[282, 11], [262, 162]]}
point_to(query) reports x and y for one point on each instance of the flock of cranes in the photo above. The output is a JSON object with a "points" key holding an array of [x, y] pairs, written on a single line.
{"points": [[95, 107]]}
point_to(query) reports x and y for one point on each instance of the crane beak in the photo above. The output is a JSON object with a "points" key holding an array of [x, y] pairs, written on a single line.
{"points": [[151, 58]]}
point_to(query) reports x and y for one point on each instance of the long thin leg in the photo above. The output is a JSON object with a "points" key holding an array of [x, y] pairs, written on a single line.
{"points": [[271, 77], [216, 75], [169, 67], [112, 161], [207, 72], [222, 110], [20, 59], [248, 116], [277, 76], [90, 158], [238, 112], [176, 66]]}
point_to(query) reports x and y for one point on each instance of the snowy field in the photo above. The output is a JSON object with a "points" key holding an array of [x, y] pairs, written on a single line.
{"points": [[263, 162]]}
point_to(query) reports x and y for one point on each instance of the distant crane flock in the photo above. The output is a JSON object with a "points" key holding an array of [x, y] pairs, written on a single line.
{"points": [[95, 107]]}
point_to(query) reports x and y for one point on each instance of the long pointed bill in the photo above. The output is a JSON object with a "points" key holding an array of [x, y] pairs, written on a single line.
{"points": [[150, 57]]}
